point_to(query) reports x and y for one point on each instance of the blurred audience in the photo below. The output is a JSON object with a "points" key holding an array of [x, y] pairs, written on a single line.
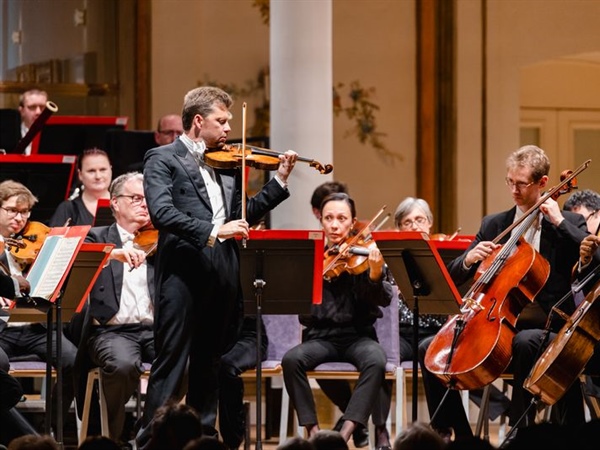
{"points": [[174, 425]]}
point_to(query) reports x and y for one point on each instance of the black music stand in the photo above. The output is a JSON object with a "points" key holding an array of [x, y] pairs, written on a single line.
{"points": [[282, 271], [417, 267], [73, 293]]}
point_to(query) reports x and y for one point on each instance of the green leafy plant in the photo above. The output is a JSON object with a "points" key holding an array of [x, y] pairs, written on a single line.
{"points": [[362, 111], [264, 9]]}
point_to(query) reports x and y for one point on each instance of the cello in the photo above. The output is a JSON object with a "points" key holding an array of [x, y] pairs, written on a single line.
{"points": [[474, 348], [565, 358]]}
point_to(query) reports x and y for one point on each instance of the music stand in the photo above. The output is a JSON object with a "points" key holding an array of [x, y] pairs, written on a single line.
{"points": [[417, 267], [68, 298], [282, 271]]}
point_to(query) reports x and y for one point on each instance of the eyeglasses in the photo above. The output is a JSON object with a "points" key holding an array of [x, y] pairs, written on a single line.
{"points": [[135, 199], [520, 185], [12, 212], [418, 221], [171, 132]]}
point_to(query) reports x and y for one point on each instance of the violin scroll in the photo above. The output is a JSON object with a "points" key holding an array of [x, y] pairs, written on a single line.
{"points": [[323, 169]]}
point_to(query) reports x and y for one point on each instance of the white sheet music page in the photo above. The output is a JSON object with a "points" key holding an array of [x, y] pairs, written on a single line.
{"points": [[51, 264]]}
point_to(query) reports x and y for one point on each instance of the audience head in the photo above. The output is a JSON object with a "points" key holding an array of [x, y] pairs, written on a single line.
{"points": [[16, 202], [418, 436], [33, 442], [31, 105], [99, 443], [586, 203], [296, 443], [94, 171], [175, 424], [328, 440], [205, 443], [169, 128], [322, 191], [413, 214], [469, 443]]}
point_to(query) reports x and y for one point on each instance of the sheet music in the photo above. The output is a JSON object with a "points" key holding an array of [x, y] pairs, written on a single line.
{"points": [[51, 264]]}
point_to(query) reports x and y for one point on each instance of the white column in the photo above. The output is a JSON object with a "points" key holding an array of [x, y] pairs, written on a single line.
{"points": [[301, 100]]}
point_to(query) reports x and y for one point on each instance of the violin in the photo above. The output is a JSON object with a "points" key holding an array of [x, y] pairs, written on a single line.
{"points": [[354, 259], [146, 239], [352, 255], [444, 237], [25, 245], [230, 157]]}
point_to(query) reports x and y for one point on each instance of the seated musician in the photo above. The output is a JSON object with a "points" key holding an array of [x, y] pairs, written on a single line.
{"points": [[117, 334], [339, 391], [341, 328], [555, 235], [94, 173], [414, 214], [24, 339], [11, 392], [31, 105], [528, 345]]}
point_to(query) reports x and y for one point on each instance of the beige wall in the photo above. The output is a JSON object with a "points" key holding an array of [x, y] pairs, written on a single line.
{"points": [[522, 33], [374, 43]]}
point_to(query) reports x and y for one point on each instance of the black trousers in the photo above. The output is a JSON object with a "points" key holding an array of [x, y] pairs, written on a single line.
{"points": [[362, 351], [241, 357]]}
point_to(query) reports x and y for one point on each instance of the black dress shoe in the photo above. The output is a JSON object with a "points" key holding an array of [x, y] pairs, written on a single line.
{"points": [[360, 436]]}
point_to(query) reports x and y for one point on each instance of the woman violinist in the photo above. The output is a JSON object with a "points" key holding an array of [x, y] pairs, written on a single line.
{"points": [[554, 235], [341, 328]]}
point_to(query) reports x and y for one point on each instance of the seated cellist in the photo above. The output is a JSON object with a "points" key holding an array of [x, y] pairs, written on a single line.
{"points": [[528, 345], [554, 234]]}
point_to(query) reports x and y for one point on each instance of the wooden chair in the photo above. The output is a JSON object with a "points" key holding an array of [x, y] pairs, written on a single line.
{"points": [[95, 376]]}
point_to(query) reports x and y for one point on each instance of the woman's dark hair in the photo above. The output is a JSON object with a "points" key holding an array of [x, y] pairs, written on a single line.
{"points": [[339, 197]]}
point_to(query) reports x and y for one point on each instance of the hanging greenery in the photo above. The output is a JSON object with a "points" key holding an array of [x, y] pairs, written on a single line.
{"points": [[263, 7], [362, 111]]}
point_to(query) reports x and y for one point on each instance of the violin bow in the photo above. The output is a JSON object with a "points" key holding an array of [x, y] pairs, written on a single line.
{"points": [[244, 166]]}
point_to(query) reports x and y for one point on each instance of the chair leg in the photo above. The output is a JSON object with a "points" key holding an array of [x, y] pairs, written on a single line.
{"points": [[103, 407], [400, 400], [247, 430], [85, 414], [482, 417], [285, 409]]}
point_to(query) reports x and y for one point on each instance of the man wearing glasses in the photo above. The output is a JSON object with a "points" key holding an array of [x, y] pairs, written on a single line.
{"points": [[117, 333], [556, 235], [168, 129], [23, 339]]}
